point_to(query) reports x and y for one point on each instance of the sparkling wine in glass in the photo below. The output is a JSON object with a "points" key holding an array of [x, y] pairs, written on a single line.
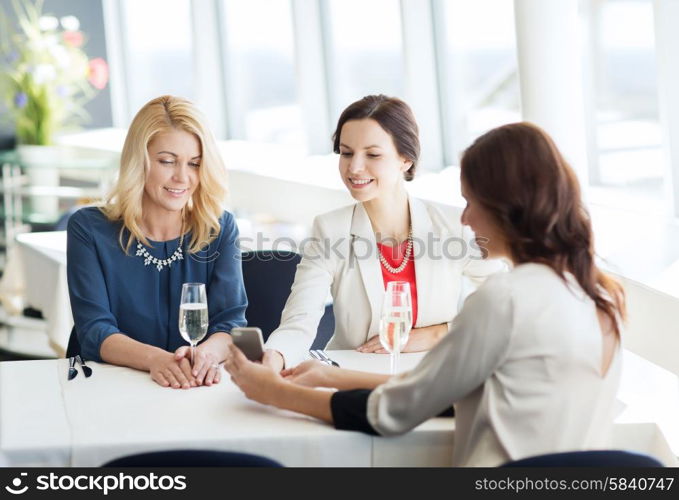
{"points": [[396, 320], [193, 318]]}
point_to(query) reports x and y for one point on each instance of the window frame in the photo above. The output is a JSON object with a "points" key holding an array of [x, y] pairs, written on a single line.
{"points": [[427, 78]]}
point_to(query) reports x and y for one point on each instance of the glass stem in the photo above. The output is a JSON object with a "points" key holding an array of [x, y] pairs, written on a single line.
{"points": [[394, 361], [192, 354]]}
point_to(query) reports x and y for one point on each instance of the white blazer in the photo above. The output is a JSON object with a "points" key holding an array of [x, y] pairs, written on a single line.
{"points": [[522, 364], [341, 256]]}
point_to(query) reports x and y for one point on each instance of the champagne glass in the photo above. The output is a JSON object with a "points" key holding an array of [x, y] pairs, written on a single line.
{"points": [[396, 320], [193, 318]]}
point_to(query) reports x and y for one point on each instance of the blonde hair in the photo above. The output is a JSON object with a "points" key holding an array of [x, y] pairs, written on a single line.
{"points": [[201, 213]]}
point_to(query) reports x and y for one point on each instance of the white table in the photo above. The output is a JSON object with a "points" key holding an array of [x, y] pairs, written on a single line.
{"points": [[46, 420], [36, 277]]}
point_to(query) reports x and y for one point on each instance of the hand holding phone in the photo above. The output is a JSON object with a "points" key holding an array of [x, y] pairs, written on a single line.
{"points": [[249, 340]]}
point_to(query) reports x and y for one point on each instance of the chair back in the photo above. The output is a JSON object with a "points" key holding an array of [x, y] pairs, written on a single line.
{"points": [[268, 276], [597, 458], [193, 458]]}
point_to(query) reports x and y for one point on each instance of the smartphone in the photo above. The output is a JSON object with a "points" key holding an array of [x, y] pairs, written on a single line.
{"points": [[249, 340]]}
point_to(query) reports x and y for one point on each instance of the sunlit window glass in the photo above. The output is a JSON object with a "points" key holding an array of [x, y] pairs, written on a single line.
{"points": [[366, 50], [482, 76], [159, 48], [261, 80], [628, 128]]}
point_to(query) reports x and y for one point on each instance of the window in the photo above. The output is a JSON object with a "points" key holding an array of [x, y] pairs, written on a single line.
{"points": [[158, 50], [627, 129], [281, 71], [260, 72], [365, 50], [480, 87]]}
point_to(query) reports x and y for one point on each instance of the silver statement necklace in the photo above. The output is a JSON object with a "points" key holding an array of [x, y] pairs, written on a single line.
{"points": [[406, 256], [161, 263]]}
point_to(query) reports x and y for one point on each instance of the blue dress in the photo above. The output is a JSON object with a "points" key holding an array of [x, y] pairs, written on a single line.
{"points": [[113, 292]]}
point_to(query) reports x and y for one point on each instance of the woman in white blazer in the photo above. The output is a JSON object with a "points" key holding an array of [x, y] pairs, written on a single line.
{"points": [[532, 361], [355, 250]]}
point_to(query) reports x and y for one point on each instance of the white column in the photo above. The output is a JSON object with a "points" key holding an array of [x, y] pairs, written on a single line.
{"points": [[421, 84], [208, 82], [593, 75], [666, 13], [116, 52], [312, 74], [451, 79], [550, 73]]}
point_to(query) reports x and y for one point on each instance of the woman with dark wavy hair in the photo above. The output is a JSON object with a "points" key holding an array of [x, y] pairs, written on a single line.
{"points": [[532, 361]]}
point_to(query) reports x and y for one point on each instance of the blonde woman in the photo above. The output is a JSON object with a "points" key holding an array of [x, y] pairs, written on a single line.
{"points": [[163, 225]]}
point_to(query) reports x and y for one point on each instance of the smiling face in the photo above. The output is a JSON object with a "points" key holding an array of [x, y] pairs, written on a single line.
{"points": [[370, 165], [172, 177], [488, 235]]}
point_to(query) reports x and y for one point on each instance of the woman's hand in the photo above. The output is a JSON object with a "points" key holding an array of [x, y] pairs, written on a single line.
{"points": [[257, 381], [420, 339], [273, 359], [310, 373], [170, 372], [205, 365]]}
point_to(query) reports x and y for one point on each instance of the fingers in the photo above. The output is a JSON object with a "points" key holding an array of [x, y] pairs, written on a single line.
{"points": [[200, 368], [308, 373], [182, 352], [273, 359], [237, 356], [159, 379], [371, 345], [182, 373], [212, 376], [291, 372], [171, 378], [235, 364], [185, 366], [230, 361], [300, 368], [174, 371]]}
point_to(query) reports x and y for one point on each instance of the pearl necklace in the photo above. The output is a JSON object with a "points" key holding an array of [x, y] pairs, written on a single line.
{"points": [[406, 256], [160, 263]]}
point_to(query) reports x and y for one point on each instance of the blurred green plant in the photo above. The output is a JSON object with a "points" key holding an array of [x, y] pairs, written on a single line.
{"points": [[46, 77]]}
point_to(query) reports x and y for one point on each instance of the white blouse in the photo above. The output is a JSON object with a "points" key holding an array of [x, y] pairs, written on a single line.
{"points": [[523, 364]]}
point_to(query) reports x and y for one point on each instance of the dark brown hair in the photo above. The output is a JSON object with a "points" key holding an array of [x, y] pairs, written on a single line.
{"points": [[517, 173], [394, 116]]}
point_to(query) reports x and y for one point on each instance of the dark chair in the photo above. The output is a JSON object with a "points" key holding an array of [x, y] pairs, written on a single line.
{"points": [[268, 277], [326, 328], [598, 458], [193, 458]]}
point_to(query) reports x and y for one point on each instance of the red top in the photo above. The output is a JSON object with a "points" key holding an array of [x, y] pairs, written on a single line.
{"points": [[394, 257]]}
